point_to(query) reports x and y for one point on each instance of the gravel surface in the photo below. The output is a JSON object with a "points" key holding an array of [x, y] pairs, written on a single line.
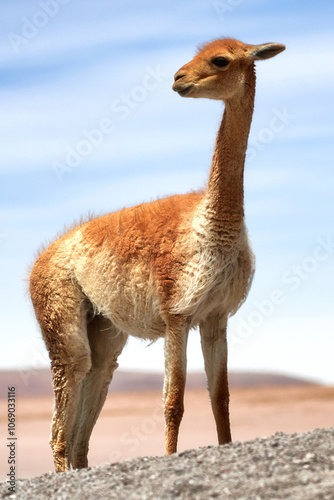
{"points": [[296, 466]]}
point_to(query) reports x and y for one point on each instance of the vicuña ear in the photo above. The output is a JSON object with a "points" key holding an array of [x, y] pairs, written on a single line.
{"points": [[266, 51]]}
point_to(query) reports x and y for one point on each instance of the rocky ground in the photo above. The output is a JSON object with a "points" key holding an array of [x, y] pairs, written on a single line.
{"points": [[289, 466]]}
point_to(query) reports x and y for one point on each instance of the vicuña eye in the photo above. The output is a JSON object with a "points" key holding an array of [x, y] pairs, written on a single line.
{"points": [[220, 62]]}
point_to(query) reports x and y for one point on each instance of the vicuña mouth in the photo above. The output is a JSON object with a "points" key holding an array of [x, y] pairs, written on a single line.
{"points": [[182, 90]]}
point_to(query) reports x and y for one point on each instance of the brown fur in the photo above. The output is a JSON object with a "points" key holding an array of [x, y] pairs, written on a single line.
{"points": [[154, 270]]}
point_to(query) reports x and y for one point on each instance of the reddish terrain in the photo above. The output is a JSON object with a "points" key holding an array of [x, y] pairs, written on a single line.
{"points": [[131, 423]]}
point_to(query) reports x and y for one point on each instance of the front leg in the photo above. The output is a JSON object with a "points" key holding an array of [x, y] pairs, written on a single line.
{"points": [[175, 379], [214, 347]]}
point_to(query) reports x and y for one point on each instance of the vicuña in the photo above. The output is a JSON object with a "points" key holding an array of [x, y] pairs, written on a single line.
{"points": [[154, 270]]}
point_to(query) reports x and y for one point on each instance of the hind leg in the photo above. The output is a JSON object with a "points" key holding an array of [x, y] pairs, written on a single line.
{"points": [[70, 361], [106, 344], [66, 383], [61, 313]]}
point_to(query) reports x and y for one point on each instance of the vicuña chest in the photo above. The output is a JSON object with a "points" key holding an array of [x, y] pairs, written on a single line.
{"points": [[216, 276]]}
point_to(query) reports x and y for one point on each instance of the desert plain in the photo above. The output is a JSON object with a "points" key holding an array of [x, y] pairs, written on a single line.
{"points": [[131, 423]]}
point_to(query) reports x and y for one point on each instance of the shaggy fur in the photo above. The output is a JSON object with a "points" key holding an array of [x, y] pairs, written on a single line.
{"points": [[154, 270]]}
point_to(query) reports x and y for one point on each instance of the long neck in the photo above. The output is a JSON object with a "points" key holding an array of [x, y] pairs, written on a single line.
{"points": [[225, 192]]}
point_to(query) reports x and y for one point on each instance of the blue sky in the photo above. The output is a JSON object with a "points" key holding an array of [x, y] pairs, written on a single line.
{"points": [[88, 85]]}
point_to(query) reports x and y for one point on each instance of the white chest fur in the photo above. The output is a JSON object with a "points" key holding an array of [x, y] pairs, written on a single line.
{"points": [[217, 275]]}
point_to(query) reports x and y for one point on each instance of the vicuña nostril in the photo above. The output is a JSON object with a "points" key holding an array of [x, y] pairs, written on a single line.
{"points": [[178, 77]]}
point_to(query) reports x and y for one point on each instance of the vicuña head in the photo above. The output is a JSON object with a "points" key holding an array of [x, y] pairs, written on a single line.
{"points": [[220, 69]]}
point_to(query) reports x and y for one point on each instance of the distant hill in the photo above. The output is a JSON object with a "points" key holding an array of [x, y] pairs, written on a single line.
{"points": [[32, 383]]}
